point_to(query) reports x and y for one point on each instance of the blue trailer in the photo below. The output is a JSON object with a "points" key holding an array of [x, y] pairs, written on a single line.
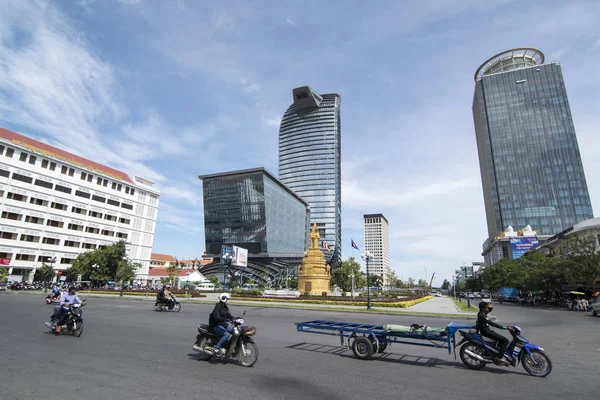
{"points": [[368, 339], [507, 294]]}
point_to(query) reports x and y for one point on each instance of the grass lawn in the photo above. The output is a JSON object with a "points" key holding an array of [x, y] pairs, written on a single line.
{"points": [[462, 305]]}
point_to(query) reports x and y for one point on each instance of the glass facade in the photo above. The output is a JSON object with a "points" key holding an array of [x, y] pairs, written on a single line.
{"points": [[530, 164], [253, 210], [310, 161]]}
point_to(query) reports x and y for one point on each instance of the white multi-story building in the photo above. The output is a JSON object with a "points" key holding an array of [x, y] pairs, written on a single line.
{"points": [[377, 242], [55, 205]]}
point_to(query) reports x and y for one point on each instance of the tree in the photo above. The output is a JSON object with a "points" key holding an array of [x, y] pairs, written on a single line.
{"points": [[99, 265], [126, 271], [586, 259], [375, 280], [411, 282], [3, 274], [342, 275], [173, 270], [46, 274], [213, 279], [393, 279], [445, 284], [422, 283]]}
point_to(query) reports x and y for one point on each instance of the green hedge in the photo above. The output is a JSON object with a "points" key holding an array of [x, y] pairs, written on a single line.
{"points": [[398, 304], [139, 293]]}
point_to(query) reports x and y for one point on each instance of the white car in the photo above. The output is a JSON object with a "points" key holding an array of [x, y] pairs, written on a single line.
{"points": [[436, 294]]}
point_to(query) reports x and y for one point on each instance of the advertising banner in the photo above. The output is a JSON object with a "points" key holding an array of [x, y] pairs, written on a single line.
{"points": [[521, 245], [240, 257], [225, 251], [4, 261]]}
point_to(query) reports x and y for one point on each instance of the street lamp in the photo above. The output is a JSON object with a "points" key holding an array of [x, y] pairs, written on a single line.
{"points": [[352, 286], [367, 257], [228, 258], [425, 277], [467, 285]]}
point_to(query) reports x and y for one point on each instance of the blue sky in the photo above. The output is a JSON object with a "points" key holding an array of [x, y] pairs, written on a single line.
{"points": [[162, 89]]}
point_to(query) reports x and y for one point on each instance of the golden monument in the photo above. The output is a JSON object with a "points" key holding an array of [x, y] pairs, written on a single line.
{"points": [[314, 274]]}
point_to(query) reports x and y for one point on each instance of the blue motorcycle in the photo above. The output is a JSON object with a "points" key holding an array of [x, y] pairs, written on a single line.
{"points": [[477, 351]]}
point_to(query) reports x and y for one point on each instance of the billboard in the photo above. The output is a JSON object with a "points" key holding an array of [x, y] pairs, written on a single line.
{"points": [[240, 257], [521, 245]]}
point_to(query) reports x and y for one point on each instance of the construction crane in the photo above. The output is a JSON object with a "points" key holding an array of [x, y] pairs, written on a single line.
{"points": [[431, 281]]}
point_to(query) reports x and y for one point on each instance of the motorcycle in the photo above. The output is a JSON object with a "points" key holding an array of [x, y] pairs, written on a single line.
{"points": [[239, 346], [50, 299], [73, 323], [477, 351], [163, 305]]}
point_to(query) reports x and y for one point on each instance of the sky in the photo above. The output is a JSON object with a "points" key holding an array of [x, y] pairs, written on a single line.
{"points": [[162, 89]]}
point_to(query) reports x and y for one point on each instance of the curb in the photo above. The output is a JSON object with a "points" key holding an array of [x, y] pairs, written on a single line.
{"points": [[282, 306]]}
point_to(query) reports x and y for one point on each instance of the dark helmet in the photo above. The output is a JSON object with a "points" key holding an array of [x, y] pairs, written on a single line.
{"points": [[483, 305], [72, 289]]}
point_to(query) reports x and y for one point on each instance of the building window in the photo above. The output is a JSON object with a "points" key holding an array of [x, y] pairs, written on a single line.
{"points": [[70, 243], [51, 241], [99, 181], [63, 170], [106, 232], [110, 217], [124, 221], [90, 177], [45, 184], [82, 194], [30, 238], [75, 227], [16, 197], [59, 206], [34, 220], [89, 229], [23, 157], [113, 203], [4, 173], [12, 216], [52, 166], [78, 210], [132, 191], [8, 235], [127, 206], [22, 178], [95, 214], [32, 160], [44, 163], [119, 187], [71, 172], [99, 199], [122, 235], [83, 176], [55, 224], [114, 185], [39, 202], [105, 182], [89, 246], [63, 189], [1, 150], [25, 257], [10, 152], [65, 260]]}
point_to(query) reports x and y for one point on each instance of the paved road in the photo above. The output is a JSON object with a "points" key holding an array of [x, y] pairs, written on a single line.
{"points": [[128, 350]]}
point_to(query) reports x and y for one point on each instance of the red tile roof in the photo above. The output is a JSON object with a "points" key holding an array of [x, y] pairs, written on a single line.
{"points": [[162, 272], [202, 261], [162, 257], [51, 151]]}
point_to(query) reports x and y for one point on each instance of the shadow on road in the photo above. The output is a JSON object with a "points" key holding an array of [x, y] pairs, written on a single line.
{"points": [[397, 358]]}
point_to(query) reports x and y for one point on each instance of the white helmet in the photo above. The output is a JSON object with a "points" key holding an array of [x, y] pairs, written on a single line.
{"points": [[224, 297]]}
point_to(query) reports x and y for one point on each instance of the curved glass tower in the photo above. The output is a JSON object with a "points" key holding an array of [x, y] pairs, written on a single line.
{"points": [[310, 161], [531, 169]]}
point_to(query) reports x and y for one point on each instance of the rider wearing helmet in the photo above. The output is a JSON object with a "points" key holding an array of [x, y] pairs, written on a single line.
{"points": [[168, 297], [483, 328], [219, 321]]}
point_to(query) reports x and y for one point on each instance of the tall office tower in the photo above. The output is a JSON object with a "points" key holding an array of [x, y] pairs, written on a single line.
{"points": [[310, 161], [530, 164], [378, 244]]}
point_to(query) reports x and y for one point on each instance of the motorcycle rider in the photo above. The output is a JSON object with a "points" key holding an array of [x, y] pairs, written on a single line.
{"points": [[219, 321], [168, 297], [60, 312], [160, 296], [483, 328]]}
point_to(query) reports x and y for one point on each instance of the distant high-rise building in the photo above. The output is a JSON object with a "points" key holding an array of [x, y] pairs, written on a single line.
{"points": [[310, 161], [378, 244], [530, 164]]}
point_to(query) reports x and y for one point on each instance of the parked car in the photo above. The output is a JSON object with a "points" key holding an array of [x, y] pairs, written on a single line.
{"points": [[596, 306], [436, 294]]}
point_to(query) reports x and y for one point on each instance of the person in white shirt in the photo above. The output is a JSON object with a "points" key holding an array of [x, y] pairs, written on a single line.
{"points": [[60, 312]]}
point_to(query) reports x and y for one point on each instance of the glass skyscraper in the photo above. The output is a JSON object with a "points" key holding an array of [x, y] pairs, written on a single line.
{"points": [[530, 164], [310, 161]]}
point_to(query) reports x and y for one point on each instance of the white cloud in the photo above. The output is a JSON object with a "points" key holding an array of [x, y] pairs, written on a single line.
{"points": [[597, 44], [130, 2], [186, 223], [289, 21], [275, 121], [252, 88], [560, 53]]}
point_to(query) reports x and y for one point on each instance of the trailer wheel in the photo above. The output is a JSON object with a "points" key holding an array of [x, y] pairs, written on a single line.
{"points": [[382, 343], [362, 348]]}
